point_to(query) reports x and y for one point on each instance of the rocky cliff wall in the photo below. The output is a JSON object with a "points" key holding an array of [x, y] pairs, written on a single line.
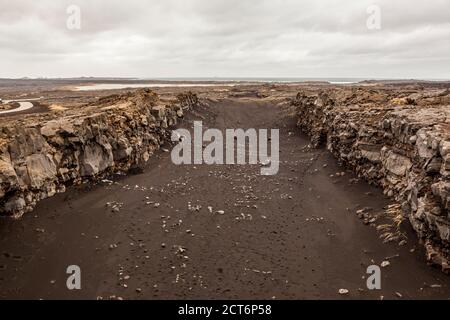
{"points": [[399, 141], [41, 156]]}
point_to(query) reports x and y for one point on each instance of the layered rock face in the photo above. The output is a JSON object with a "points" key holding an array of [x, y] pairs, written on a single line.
{"points": [[398, 140], [41, 156]]}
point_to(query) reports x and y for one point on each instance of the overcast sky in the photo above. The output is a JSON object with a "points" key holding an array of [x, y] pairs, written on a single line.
{"points": [[225, 38]]}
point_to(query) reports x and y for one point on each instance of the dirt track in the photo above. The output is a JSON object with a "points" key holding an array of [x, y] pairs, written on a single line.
{"points": [[303, 239]]}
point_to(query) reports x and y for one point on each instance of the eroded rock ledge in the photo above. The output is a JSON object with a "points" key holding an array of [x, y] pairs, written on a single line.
{"points": [[398, 140], [42, 155]]}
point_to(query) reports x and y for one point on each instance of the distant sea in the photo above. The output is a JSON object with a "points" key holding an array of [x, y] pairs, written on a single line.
{"points": [[255, 79], [291, 80]]}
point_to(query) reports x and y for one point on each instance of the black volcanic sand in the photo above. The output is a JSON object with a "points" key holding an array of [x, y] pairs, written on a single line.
{"points": [[302, 241]]}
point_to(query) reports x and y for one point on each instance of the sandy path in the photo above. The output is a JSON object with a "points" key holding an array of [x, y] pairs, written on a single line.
{"points": [[298, 237]]}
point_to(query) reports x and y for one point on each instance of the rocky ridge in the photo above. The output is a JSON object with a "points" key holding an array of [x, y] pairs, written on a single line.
{"points": [[42, 155], [396, 139]]}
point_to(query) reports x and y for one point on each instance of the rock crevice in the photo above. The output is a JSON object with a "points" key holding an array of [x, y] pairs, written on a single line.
{"points": [[397, 140], [41, 156]]}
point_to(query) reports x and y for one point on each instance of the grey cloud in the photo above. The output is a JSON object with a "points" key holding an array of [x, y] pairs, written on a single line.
{"points": [[164, 38]]}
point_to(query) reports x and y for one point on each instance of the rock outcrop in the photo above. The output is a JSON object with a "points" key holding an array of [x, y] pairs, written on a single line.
{"points": [[397, 140], [40, 156]]}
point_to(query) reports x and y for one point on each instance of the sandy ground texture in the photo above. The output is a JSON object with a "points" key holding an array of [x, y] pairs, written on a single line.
{"points": [[215, 232]]}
